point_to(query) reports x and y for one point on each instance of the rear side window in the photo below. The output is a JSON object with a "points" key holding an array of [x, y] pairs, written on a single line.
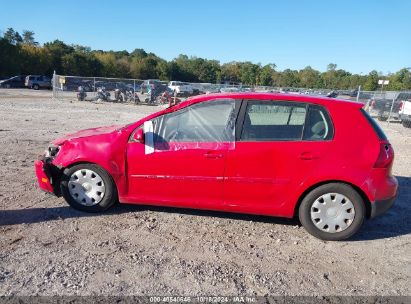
{"points": [[318, 125], [273, 121], [374, 125]]}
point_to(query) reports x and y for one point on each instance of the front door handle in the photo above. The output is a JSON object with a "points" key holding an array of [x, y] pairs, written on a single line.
{"points": [[213, 155]]}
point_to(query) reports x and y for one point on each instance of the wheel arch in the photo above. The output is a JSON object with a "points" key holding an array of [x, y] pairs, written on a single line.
{"points": [[62, 169], [356, 188]]}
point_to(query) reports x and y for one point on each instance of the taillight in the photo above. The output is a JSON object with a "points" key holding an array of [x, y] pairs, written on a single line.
{"points": [[401, 106], [385, 157]]}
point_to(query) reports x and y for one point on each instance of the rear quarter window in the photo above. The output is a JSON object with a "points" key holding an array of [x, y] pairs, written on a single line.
{"points": [[380, 133]]}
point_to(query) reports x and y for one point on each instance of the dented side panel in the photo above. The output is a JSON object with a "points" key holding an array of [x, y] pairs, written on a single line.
{"points": [[105, 150]]}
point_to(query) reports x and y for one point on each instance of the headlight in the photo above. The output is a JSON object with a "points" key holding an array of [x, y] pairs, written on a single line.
{"points": [[52, 151]]}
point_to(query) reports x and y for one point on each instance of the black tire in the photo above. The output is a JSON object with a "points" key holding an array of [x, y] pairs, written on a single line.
{"points": [[406, 123], [36, 86], [304, 211], [110, 195]]}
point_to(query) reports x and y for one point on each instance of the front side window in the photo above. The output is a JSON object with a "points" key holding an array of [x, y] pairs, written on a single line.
{"points": [[210, 121], [273, 121]]}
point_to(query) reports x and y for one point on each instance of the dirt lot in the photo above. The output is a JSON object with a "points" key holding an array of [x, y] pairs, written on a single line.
{"points": [[48, 248]]}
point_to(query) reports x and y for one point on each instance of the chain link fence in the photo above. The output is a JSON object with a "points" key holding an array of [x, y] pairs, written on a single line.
{"points": [[383, 105], [95, 88]]}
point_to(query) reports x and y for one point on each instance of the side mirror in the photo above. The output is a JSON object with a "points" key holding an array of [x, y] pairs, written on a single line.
{"points": [[139, 136]]}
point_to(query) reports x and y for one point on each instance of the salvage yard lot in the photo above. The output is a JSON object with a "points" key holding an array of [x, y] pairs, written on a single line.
{"points": [[48, 248]]}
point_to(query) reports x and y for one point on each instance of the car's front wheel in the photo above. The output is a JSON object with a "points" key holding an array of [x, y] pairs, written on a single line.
{"points": [[88, 187], [332, 212]]}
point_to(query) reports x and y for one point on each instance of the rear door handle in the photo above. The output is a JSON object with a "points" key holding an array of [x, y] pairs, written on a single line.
{"points": [[213, 155], [306, 156]]}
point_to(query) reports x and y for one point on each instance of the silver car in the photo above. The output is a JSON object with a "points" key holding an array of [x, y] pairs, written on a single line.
{"points": [[37, 82]]}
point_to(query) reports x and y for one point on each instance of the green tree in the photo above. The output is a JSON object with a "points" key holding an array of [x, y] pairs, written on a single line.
{"points": [[231, 72], [144, 68], [331, 67], [185, 68], [34, 60], [309, 78], [12, 36], [10, 58], [24, 55], [81, 64], [249, 72], [28, 38], [289, 78], [400, 80], [57, 49], [371, 84], [163, 70], [204, 70], [329, 77], [266, 75], [139, 53]]}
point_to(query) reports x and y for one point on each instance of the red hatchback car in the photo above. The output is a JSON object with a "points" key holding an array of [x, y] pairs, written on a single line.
{"points": [[323, 160]]}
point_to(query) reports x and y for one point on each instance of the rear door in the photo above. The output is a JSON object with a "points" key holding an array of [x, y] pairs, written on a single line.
{"points": [[278, 144], [190, 150]]}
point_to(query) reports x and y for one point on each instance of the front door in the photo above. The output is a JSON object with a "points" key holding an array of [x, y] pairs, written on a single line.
{"points": [[186, 166]]}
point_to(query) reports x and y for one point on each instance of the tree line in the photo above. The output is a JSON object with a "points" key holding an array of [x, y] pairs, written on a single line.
{"points": [[21, 54]]}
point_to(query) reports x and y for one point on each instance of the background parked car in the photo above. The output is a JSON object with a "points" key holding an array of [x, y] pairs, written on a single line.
{"points": [[181, 88], [72, 84], [37, 82], [405, 109], [154, 83], [382, 108], [13, 82]]}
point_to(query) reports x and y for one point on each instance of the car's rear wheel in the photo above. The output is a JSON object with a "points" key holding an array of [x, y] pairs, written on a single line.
{"points": [[36, 87], [88, 187], [332, 212]]}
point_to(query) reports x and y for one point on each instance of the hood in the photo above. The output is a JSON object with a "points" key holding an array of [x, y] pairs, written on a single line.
{"points": [[87, 133]]}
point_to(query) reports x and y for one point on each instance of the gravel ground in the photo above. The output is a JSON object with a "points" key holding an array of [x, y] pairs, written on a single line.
{"points": [[48, 248]]}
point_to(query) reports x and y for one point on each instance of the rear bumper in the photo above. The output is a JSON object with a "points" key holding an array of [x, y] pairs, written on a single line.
{"points": [[47, 176], [381, 206], [382, 191]]}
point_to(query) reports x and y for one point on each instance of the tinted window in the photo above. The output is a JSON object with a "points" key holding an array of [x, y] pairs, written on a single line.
{"points": [[268, 121], [211, 121], [318, 124]]}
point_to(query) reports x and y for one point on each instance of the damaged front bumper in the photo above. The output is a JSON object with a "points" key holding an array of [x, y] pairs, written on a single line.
{"points": [[48, 175]]}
